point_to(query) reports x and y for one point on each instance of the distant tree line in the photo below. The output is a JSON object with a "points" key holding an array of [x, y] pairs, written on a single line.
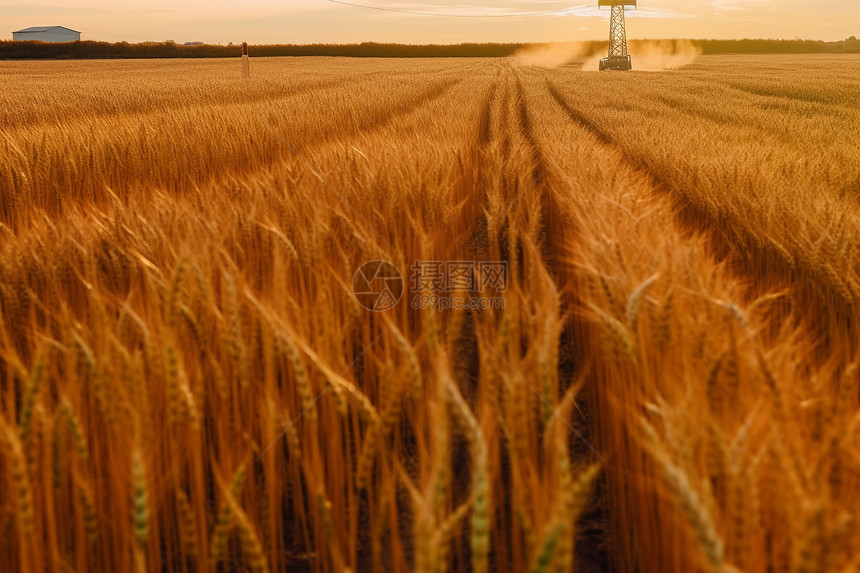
{"points": [[848, 46], [90, 49], [10, 50]]}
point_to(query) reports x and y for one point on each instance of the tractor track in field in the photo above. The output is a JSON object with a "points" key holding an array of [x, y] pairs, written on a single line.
{"points": [[465, 366], [474, 191], [715, 229], [761, 92], [555, 229], [539, 170], [747, 257], [558, 231], [426, 97], [685, 213], [485, 122], [492, 130], [516, 121], [504, 121], [780, 133], [512, 121]]}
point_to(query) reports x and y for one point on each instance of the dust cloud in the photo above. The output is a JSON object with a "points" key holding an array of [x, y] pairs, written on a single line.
{"points": [[648, 55], [552, 55], [658, 55]]}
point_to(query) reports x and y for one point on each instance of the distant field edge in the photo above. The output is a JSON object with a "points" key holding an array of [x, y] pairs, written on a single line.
{"points": [[11, 50]]}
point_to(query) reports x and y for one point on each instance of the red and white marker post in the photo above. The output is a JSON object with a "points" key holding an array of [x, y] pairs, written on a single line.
{"points": [[246, 66]]}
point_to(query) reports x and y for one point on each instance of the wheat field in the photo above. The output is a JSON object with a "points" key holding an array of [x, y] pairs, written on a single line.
{"points": [[189, 382]]}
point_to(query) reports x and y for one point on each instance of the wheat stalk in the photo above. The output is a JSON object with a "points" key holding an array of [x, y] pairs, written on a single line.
{"points": [[23, 492]]}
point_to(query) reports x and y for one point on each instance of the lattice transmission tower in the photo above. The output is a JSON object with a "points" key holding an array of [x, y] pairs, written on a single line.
{"points": [[618, 58]]}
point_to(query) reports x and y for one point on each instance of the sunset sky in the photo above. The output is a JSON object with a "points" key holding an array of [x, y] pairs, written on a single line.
{"points": [[308, 21]]}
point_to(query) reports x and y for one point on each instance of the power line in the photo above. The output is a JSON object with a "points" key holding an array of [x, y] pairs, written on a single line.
{"points": [[448, 14], [380, 9]]}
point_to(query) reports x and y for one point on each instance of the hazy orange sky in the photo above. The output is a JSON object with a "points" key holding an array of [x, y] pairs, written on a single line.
{"points": [[308, 21]]}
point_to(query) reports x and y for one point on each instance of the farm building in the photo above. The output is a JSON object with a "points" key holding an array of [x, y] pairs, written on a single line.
{"points": [[47, 34]]}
